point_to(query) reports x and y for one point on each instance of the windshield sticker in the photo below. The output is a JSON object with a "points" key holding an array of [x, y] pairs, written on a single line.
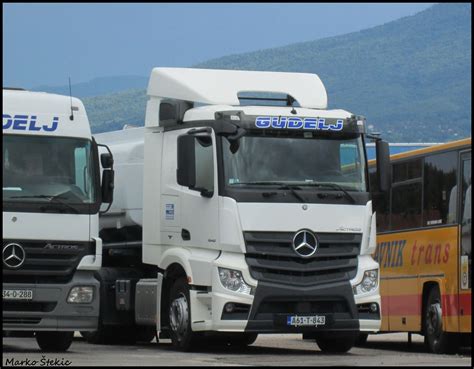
{"points": [[318, 124]]}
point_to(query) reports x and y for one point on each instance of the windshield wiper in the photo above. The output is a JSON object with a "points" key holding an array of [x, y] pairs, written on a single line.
{"points": [[331, 185], [293, 191], [52, 198]]}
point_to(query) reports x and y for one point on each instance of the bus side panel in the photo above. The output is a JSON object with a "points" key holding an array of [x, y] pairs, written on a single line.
{"points": [[408, 260], [465, 312]]}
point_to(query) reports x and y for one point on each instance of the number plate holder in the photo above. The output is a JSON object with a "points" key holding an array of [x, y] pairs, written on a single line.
{"points": [[17, 294]]}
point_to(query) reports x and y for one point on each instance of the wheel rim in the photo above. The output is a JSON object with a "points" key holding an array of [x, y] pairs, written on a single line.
{"points": [[179, 316], [434, 319]]}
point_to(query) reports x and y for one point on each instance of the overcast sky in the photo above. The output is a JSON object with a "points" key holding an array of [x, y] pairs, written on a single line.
{"points": [[44, 44]]}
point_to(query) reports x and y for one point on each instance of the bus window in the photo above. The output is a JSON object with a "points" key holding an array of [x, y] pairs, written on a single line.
{"points": [[406, 201], [440, 190], [406, 206]]}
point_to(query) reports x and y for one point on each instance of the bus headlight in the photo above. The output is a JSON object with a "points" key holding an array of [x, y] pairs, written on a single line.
{"points": [[233, 280], [81, 295], [369, 282]]}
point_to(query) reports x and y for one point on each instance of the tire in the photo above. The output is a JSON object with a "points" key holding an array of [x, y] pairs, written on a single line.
{"points": [[336, 342], [243, 339], [362, 339], [144, 333], [437, 340], [182, 336], [54, 341], [103, 335]]}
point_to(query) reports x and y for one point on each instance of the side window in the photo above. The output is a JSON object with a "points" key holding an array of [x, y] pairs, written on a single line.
{"points": [[80, 161], [204, 163], [406, 201], [440, 190]]}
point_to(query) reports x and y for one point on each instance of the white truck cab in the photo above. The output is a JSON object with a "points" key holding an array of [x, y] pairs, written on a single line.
{"points": [[51, 200], [251, 201]]}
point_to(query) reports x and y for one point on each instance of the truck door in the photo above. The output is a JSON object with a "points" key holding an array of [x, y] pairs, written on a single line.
{"points": [[199, 204]]}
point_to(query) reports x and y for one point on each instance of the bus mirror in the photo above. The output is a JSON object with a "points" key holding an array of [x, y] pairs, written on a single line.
{"points": [[186, 172], [107, 186], [384, 177]]}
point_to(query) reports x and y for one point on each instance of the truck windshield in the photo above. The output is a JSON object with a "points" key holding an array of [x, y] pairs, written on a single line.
{"points": [[299, 159], [56, 170]]}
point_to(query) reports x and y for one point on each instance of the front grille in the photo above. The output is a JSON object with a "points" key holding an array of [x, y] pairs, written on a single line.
{"points": [[21, 320], [47, 261], [271, 258]]}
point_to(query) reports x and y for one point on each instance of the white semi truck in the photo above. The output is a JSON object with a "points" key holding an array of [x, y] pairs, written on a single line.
{"points": [[242, 207], [51, 200]]}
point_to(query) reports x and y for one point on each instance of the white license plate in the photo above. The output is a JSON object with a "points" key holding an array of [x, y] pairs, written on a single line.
{"points": [[301, 321], [17, 294]]}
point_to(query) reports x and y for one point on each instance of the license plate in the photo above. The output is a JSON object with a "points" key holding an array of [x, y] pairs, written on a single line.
{"points": [[306, 321], [17, 294]]}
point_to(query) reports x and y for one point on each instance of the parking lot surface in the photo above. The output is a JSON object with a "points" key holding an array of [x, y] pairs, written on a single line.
{"points": [[284, 350]]}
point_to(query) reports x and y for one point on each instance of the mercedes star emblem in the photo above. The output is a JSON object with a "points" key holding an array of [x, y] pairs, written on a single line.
{"points": [[13, 255], [305, 243]]}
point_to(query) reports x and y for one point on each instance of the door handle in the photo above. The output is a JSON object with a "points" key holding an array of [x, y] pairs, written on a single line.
{"points": [[185, 235]]}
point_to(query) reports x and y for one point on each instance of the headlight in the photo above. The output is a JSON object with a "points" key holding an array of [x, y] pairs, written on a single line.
{"points": [[234, 281], [369, 282], [81, 295]]}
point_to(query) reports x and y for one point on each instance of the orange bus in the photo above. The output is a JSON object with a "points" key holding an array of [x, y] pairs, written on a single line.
{"points": [[424, 245]]}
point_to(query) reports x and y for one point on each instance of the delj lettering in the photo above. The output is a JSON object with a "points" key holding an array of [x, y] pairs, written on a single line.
{"points": [[21, 122]]}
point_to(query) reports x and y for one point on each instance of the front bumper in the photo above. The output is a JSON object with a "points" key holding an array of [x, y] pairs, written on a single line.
{"points": [[49, 310], [272, 303]]}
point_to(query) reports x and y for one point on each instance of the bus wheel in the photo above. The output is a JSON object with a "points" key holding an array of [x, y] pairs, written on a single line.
{"points": [[181, 334], [438, 341], [54, 341], [336, 342]]}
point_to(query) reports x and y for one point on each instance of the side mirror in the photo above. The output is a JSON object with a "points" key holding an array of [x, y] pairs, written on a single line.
{"points": [[384, 176], [186, 172], [107, 186], [107, 160]]}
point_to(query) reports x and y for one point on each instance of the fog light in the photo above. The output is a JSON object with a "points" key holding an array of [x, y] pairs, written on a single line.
{"points": [[229, 308], [373, 307], [81, 295], [369, 282]]}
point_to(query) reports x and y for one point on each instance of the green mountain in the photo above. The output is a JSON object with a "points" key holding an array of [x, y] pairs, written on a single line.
{"points": [[411, 77]]}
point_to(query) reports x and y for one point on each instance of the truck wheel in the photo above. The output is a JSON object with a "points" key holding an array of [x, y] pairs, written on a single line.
{"points": [[336, 342], [145, 333], [182, 337], [362, 339], [54, 341], [243, 339], [438, 341]]}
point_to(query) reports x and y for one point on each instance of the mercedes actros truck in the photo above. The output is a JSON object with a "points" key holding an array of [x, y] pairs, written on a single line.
{"points": [[51, 198], [242, 207]]}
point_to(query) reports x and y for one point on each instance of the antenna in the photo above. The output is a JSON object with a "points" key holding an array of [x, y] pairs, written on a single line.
{"points": [[71, 117]]}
